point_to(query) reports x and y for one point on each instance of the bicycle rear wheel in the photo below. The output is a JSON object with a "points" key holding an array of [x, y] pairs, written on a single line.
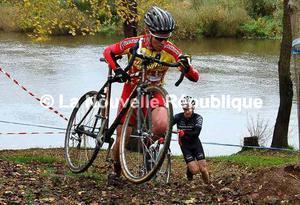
{"points": [[84, 134], [139, 162]]}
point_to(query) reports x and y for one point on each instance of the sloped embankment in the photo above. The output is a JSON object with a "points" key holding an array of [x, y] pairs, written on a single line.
{"points": [[39, 176]]}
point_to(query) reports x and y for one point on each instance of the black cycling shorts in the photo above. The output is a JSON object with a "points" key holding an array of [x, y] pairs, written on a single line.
{"points": [[191, 154]]}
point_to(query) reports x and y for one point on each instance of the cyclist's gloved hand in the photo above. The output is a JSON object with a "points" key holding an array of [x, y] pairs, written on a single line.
{"points": [[121, 76], [181, 133], [134, 49], [185, 60], [161, 140]]}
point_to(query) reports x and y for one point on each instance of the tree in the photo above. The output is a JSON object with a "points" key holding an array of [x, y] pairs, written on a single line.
{"points": [[294, 6], [127, 10], [280, 134]]}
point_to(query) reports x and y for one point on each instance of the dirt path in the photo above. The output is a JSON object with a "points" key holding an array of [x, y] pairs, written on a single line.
{"points": [[48, 181]]}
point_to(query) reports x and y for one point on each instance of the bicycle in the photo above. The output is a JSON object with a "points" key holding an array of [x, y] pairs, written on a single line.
{"points": [[86, 134]]}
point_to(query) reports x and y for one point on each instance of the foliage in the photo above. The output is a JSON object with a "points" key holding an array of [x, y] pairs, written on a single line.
{"points": [[43, 18], [260, 8], [9, 18], [194, 18], [224, 23], [259, 128], [127, 10], [262, 28]]}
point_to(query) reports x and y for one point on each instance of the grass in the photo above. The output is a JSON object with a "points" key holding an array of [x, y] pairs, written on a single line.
{"points": [[255, 158], [261, 159], [48, 171], [30, 159], [90, 175], [29, 196]]}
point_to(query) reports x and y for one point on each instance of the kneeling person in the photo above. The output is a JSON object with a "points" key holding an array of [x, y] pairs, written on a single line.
{"points": [[189, 125]]}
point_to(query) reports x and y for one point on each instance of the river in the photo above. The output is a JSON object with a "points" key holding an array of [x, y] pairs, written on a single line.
{"points": [[232, 71]]}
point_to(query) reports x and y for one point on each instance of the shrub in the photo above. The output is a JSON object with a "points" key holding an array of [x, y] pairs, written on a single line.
{"points": [[220, 22], [53, 17], [264, 27], [259, 128], [9, 18], [260, 8]]}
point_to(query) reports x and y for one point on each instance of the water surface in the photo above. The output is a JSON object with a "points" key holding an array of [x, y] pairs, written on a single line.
{"points": [[67, 67]]}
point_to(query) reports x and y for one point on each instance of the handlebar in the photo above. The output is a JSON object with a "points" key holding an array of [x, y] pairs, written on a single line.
{"points": [[151, 60]]}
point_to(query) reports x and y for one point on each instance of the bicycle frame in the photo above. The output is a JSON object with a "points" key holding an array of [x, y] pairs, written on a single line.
{"points": [[106, 90], [136, 92]]}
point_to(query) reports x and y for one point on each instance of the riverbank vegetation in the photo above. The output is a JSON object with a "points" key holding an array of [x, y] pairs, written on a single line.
{"points": [[195, 18]]}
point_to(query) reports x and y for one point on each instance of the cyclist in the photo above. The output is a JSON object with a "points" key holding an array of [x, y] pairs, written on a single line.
{"points": [[189, 125], [159, 27]]}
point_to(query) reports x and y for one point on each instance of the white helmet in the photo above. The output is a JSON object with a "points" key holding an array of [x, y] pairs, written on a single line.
{"points": [[188, 101]]}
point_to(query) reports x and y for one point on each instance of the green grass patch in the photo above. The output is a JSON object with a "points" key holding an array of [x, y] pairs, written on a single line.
{"points": [[30, 159], [261, 159], [89, 175], [29, 196], [48, 171]]}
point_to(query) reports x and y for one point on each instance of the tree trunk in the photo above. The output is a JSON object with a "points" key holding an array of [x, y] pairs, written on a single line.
{"points": [[280, 135], [127, 10], [294, 6]]}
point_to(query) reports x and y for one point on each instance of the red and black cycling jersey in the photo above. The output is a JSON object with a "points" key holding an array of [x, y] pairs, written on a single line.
{"points": [[155, 72]]}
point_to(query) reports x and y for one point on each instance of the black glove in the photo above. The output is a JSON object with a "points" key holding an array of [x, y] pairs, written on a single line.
{"points": [[121, 76], [184, 60]]}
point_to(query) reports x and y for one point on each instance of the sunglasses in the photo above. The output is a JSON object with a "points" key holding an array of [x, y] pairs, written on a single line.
{"points": [[160, 39], [186, 109]]}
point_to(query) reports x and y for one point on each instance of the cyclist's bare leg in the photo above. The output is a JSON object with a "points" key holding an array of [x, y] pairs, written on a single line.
{"points": [[203, 169], [193, 167], [159, 122]]}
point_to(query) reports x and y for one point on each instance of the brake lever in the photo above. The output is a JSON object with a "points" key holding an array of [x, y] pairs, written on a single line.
{"points": [[183, 72], [180, 79]]}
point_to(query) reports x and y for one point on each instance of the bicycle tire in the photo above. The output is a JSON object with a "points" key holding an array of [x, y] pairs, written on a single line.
{"points": [[164, 173], [72, 134], [124, 152]]}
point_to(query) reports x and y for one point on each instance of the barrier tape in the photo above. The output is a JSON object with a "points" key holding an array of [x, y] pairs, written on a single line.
{"points": [[242, 146], [31, 133], [174, 140], [32, 125], [33, 95]]}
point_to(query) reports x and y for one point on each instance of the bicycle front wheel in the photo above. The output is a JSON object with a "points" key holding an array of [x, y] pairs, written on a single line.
{"points": [[138, 160], [84, 134]]}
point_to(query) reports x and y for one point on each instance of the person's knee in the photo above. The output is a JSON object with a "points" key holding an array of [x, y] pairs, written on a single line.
{"points": [[202, 169], [202, 166], [194, 169], [160, 126], [160, 120]]}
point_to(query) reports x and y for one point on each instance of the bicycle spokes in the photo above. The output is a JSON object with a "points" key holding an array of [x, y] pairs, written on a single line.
{"points": [[84, 133], [139, 159]]}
